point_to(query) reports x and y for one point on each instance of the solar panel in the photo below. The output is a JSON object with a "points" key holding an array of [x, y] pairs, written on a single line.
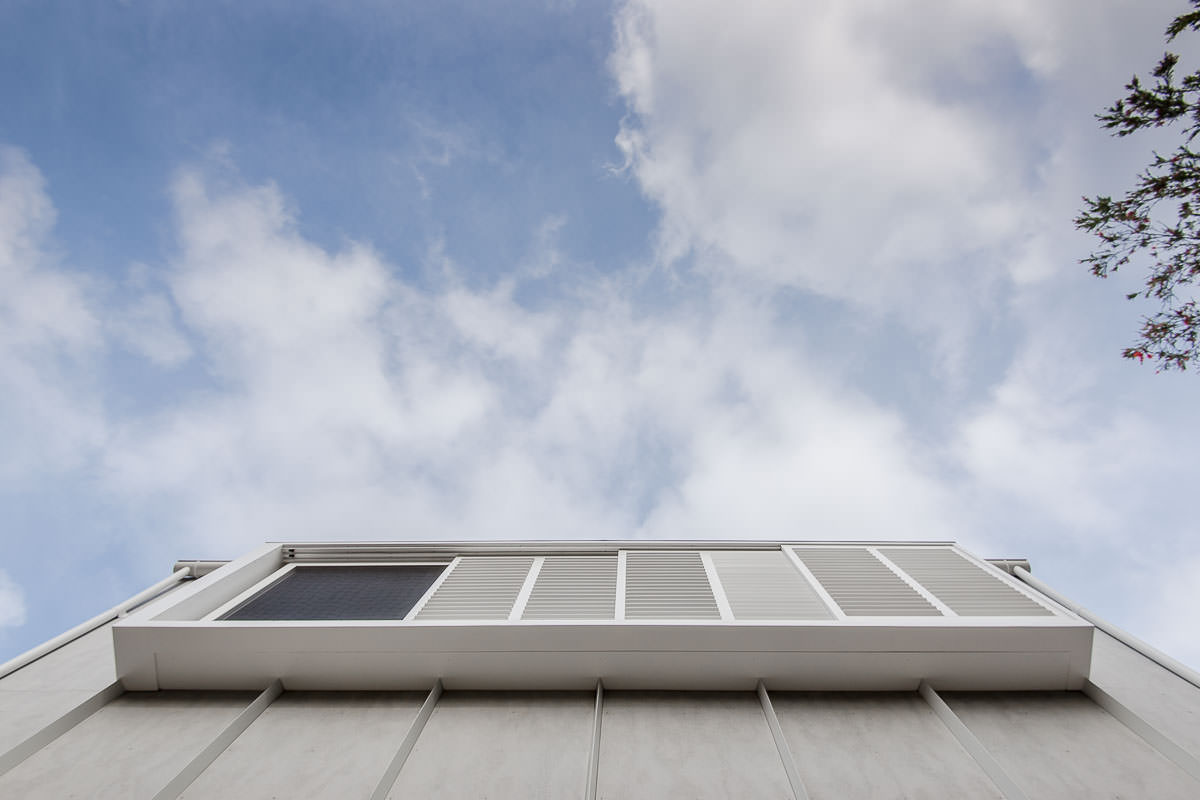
{"points": [[335, 592]]}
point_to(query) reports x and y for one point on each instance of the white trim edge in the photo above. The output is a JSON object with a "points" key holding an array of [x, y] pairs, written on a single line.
{"points": [[209, 754], [23, 750], [963, 734], [384, 787], [781, 744]]}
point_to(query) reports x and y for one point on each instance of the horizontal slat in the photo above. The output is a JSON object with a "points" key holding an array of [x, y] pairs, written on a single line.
{"points": [[479, 587], [861, 584], [574, 587], [765, 585], [966, 588], [668, 585]]}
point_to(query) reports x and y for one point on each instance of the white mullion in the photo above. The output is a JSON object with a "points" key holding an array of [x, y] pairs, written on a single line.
{"points": [[912, 583], [716, 587], [526, 589], [412, 612], [806, 573], [622, 557]]}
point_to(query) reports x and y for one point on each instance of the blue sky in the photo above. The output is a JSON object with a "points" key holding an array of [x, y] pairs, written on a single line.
{"points": [[654, 269]]}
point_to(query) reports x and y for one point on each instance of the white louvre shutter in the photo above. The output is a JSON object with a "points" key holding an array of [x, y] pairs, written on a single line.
{"points": [[763, 584], [861, 584], [667, 585], [479, 587], [574, 587], [964, 587]]}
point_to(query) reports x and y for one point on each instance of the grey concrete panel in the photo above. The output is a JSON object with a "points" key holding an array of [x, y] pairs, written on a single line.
{"points": [[85, 664], [659, 745], [876, 745], [23, 714], [42, 691], [1062, 745], [312, 745], [1157, 695], [501, 745], [130, 748]]}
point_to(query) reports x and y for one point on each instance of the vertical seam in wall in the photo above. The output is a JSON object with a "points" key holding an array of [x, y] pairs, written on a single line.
{"points": [[384, 787], [593, 775], [209, 754], [1007, 786], [24, 749], [1153, 736], [781, 744]]}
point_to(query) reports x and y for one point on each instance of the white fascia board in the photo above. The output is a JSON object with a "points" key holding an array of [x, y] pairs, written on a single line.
{"points": [[830, 655]]}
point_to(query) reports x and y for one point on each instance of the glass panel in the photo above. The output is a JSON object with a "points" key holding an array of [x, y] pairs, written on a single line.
{"points": [[369, 592]]}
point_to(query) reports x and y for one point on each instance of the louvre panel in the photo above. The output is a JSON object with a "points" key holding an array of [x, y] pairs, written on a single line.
{"points": [[574, 587], [861, 584], [763, 584], [479, 587], [966, 588], [667, 585]]}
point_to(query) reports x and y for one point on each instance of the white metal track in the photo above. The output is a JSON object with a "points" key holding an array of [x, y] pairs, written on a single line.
{"points": [[958, 728], [781, 744], [58, 727], [218, 745], [1153, 736], [384, 787], [593, 774]]}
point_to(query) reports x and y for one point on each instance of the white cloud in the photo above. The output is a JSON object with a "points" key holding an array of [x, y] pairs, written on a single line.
{"points": [[1174, 596], [48, 334], [349, 403], [146, 326], [1043, 442], [12, 602], [911, 159]]}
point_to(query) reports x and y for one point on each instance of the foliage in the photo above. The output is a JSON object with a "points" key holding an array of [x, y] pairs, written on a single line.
{"points": [[1159, 217]]}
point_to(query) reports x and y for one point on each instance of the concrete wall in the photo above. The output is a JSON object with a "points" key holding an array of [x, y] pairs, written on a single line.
{"points": [[687, 744], [312, 745], [877, 745], [130, 748], [653, 744], [1062, 745], [1160, 697], [39, 693], [503, 746]]}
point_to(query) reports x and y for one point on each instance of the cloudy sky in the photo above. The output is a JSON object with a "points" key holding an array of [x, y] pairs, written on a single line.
{"points": [[663, 269]]}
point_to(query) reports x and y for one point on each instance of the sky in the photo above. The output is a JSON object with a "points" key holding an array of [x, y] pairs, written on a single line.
{"points": [[664, 269]]}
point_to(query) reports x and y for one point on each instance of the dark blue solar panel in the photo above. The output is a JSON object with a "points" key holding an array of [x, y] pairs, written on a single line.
{"points": [[369, 592]]}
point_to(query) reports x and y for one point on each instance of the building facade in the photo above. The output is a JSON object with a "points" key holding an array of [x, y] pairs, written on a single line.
{"points": [[599, 669]]}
